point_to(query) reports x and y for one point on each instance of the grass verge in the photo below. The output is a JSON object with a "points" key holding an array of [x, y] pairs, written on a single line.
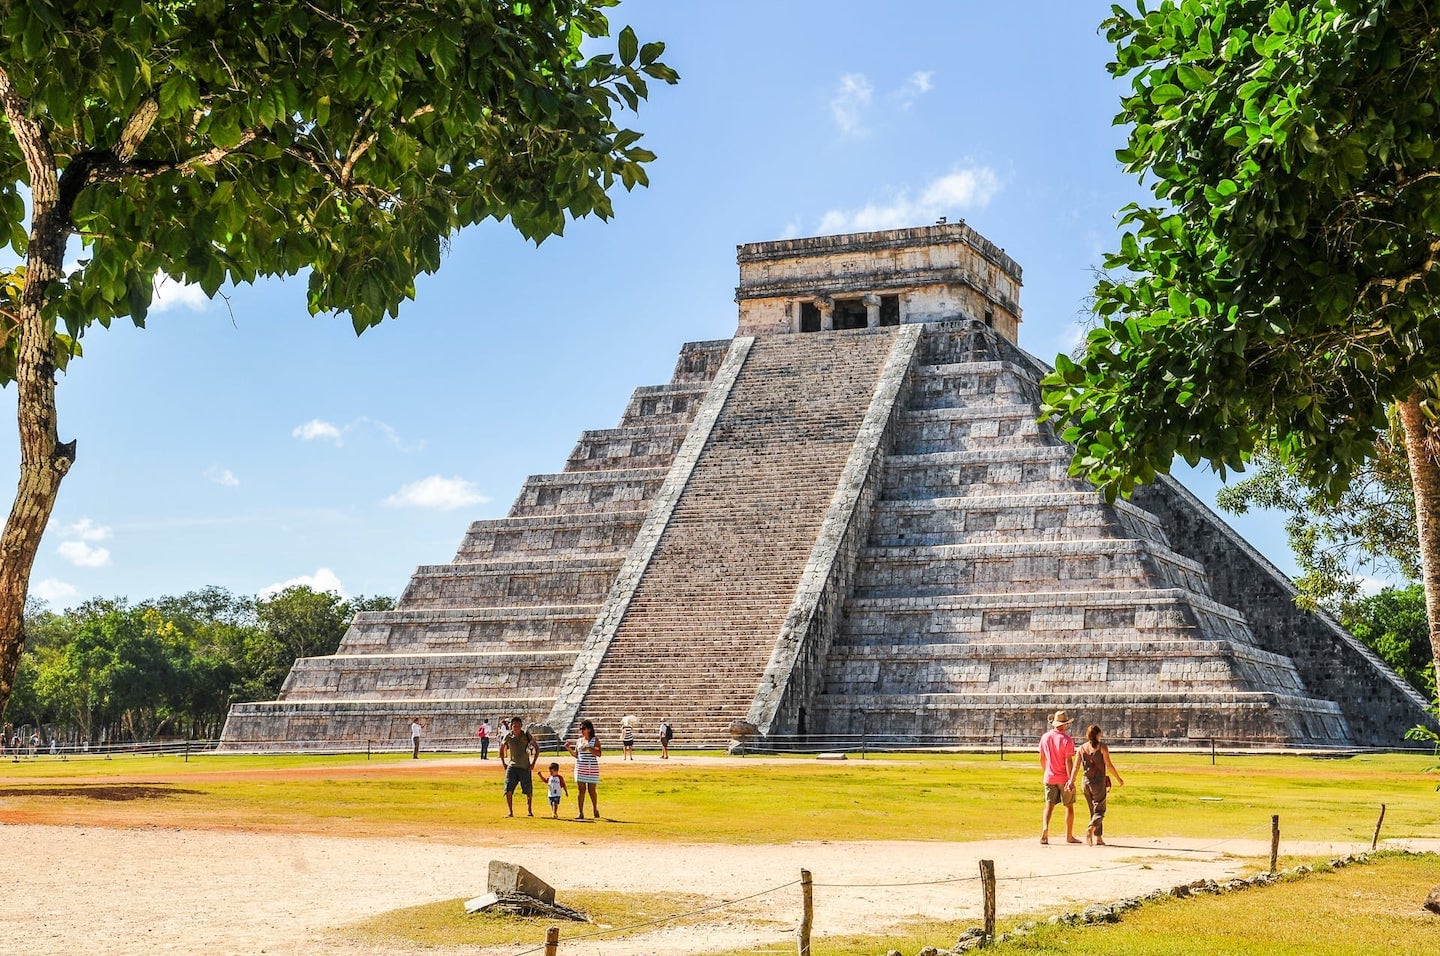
{"points": [[1359, 910], [447, 924], [702, 799]]}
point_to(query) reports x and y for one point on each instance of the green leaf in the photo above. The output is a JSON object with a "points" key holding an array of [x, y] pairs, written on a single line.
{"points": [[629, 46]]}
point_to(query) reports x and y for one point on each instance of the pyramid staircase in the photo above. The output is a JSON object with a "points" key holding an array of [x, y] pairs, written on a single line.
{"points": [[702, 622]]}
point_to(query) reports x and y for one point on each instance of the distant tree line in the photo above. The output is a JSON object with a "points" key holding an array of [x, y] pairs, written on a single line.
{"points": [[112, 671]]}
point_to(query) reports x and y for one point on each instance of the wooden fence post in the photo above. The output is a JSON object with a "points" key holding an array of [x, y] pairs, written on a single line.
{"points": [[552, 940], [807, 916], [987, 879], [1274, 840], [1376, 840]]}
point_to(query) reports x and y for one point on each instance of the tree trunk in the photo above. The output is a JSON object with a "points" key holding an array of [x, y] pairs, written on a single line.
{"points": [[1421, 446], [43, 460]]}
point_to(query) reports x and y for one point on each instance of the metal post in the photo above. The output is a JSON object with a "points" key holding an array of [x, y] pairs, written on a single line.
{"points": [[552, 940], [367, 750], [1274, 841], [1212, 751], [187, 751], [987, 879], [1375, 842], [807, 915], [1002, 747]]}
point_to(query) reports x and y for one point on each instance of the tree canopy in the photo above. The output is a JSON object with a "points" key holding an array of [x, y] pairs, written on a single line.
{"points": [[172, 666], [1281, 289], [1367, 530], [214, 141]]}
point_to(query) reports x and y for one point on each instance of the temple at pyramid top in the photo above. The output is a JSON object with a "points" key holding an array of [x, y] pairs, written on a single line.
{"points": [[943, 272]]}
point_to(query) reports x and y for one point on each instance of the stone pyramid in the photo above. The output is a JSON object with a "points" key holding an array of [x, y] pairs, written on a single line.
{"points": [[845, 522]]}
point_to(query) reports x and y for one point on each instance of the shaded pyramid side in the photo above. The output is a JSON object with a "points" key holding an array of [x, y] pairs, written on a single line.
{"points": [[994, 589], [492, 632]]}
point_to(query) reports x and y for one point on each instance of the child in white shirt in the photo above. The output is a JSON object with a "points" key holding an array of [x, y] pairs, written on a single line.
{"points": [[556, 784]]}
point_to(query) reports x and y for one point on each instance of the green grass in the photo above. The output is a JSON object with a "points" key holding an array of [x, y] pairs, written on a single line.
{"points": [[447, 924], [1355, 911], [769, 800]]}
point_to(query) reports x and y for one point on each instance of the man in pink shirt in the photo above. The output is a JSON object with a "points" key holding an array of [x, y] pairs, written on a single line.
{"points": [[1057, 760]]}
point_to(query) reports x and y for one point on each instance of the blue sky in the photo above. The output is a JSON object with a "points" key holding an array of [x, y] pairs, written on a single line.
{"points": [[246, 444]]}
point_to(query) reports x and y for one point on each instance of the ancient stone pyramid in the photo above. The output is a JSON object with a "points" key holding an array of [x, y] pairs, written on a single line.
{"points": [[843, 522]]}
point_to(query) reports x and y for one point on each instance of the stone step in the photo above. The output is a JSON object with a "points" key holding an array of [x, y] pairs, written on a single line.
{"points": [[950, 386], [340, 723], [1031, 566], [977, 616], [1023, 470], [563, 535], [588, 491], [578, 581], [609, 449], [699, 361], [1189, 717], [991, 519], [916, 437], [1072, 667], [401, 676]]}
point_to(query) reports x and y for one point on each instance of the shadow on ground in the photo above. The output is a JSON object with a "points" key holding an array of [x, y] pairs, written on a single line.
{"points": [[110, 792]]}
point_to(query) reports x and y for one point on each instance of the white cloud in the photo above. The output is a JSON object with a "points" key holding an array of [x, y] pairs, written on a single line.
{"points": [[435, 492], [966, 188], [174, 294], [83, 555], [385, 429], [322, 580], [315, 429], [223, 477], [85, 530], [920, 83], [850, 102], [52, 591]]}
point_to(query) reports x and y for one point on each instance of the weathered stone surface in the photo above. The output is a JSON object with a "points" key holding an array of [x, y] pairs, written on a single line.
{"points": [[1432, 902], [508, 879]]}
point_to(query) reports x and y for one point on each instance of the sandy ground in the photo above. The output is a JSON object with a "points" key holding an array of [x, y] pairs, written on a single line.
{"points": [[144, 891]]}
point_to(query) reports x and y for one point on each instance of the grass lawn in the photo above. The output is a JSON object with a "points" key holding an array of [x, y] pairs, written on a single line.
{"points": [[721, 800], [1355, 911], [447, 924]]}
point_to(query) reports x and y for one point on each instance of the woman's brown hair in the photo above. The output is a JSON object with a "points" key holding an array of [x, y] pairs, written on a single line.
{"points": [[1092, 734]]}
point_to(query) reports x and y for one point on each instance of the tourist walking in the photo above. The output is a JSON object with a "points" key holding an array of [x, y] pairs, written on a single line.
{"points": [[518, 755], [667, 734], [586, 751], [1057, 762], [484, 734], [627, 735], [416, 728], [1092, 766]]}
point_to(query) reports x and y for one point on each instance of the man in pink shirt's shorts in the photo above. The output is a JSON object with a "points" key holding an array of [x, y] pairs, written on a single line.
{"points": [[1057, 760]]}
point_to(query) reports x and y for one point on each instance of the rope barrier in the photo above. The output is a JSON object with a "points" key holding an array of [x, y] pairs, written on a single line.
{"points": [[665, 919]]}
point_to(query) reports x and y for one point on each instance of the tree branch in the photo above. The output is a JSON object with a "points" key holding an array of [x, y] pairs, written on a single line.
{"points": [[114, 170], [34, 144]]}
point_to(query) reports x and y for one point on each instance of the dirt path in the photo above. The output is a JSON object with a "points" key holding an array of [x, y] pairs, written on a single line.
{"points": [[145, 891]]}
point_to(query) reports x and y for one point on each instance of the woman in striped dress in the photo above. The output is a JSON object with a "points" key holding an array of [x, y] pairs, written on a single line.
{"points": [[586, 751]]}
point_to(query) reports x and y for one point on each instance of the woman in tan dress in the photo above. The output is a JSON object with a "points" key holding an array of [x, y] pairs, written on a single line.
{"points": [[1094, 761]]}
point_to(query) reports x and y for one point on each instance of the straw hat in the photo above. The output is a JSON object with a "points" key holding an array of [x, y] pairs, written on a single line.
{"points": [[1060, 719]]}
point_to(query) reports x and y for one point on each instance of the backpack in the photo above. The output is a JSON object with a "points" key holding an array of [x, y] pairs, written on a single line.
{"points": [[666, 732]]}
